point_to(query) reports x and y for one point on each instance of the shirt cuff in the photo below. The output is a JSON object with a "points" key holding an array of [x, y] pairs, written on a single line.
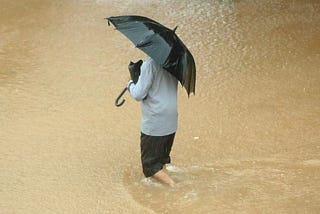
{"points": [[129, 84]]}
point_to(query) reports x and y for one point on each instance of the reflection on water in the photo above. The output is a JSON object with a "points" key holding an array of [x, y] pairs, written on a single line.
{"points": [[247, 142]]}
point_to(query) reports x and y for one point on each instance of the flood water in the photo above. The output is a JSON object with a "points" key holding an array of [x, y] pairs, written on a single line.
{"points": [[248, 141]]}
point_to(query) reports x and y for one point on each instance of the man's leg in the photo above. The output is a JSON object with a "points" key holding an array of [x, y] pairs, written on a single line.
{"points": [[163, 177], [154, 155]]}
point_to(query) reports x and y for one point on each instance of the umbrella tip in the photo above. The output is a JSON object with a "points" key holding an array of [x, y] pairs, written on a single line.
{"points": [[107, 18], [174, 29]]}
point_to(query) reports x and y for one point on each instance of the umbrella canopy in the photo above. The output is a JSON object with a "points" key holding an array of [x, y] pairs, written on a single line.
{"points": [[160, 43]]}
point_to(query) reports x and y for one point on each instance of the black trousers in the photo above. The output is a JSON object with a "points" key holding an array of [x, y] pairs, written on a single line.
{"points": [[155, 152]]}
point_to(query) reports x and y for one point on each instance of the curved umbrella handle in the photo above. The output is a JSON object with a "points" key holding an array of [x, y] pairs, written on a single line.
{"points": [[118, 98]]}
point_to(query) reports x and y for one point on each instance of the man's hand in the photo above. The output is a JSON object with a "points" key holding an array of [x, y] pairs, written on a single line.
{"points": [[134, 69]]}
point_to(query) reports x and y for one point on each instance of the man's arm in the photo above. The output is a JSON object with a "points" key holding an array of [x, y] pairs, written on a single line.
{"points": [[139, 91]]}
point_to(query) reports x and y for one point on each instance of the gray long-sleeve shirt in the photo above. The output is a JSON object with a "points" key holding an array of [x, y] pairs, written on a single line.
{"points": [[157, 90]]}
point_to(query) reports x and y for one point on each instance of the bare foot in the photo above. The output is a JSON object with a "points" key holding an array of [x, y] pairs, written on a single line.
{"points": [[163, 177]]}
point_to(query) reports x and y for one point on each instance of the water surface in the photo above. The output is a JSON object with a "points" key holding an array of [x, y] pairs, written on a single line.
{"points": [[248, 141]]}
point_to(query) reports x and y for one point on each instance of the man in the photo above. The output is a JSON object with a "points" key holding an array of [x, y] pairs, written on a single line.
{"points": [[156, 89]]}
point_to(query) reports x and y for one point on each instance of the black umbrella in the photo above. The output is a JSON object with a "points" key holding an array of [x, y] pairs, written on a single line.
{"points": [[161, 44]]}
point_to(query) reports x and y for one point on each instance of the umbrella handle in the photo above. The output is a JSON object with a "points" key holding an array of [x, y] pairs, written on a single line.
{"points": [[118, 98]]}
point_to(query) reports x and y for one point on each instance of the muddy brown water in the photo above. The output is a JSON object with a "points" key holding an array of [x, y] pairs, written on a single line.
{"points": [[248, 141]]}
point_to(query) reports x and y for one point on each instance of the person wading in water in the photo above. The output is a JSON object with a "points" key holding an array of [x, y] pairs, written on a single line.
{"points": [[156, 89]]}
